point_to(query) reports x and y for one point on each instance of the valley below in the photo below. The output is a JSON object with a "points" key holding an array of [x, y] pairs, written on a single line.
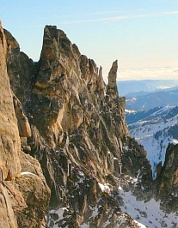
{"points": [[152, 125]]}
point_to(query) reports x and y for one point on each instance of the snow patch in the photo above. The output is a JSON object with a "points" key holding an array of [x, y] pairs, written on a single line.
{"points": [[130, 111], [139, 224], [85, 226], [174, 141], [60, 213], [27, 173], [104, 188]]}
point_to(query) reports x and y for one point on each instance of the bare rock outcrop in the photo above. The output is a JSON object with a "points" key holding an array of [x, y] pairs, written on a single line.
{"points": [[35, 192], [24, 194], [112, 76], [9, 136]]}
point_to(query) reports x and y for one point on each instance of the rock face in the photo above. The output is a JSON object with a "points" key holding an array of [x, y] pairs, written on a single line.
{"points": [[9, 139], [21, 178], [74, 125], [20, 69]]}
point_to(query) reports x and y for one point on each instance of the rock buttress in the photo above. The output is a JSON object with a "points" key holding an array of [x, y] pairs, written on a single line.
{"points": [[9, 136], [24, 194]]}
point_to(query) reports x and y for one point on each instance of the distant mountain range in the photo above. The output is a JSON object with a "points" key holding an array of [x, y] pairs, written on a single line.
{"points": [[152, 100], [135, 88]]}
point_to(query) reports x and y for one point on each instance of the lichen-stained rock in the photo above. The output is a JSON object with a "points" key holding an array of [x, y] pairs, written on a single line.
{"points": [[9, 135], [166, 183]]}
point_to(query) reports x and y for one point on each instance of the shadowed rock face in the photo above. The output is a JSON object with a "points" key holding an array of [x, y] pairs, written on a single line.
{"points": [[167, 180], [74, 124], [20, 69]]}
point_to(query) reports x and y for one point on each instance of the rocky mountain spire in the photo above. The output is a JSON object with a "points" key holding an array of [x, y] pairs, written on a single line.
{"points": [[112, 89], [112, 76]]}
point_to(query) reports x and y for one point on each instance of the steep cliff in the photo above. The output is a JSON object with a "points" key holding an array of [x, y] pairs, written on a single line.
{"points": [[24, 194], [74, 125]]}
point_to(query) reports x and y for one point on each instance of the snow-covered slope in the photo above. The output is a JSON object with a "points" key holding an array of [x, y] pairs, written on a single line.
{"points": [[144, 214], [155, 132], [148, 214]]}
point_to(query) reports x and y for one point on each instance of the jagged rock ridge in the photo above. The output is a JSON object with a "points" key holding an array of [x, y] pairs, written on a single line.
{"points": [[75, 126]]}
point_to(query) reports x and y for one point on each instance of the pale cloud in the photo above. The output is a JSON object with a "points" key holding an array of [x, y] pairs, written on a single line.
{"points": [[87, 14], [162, 73], [150, 73], [171, 12], [94, 20], [116, 18]]}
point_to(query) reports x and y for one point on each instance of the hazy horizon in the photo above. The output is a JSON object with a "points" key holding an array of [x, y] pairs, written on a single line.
{"points": [[152, 73], [142, 35]]}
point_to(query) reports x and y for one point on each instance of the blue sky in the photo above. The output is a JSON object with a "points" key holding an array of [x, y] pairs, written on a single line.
{"points": [[139, 33]]}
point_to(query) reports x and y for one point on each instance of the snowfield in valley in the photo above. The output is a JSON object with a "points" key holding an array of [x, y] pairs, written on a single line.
{"points": [[148, 214], [155, 133]]}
